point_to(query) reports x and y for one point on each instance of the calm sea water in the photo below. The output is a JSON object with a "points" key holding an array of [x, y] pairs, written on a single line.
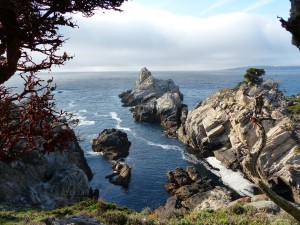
{"points": [[93, 97]]}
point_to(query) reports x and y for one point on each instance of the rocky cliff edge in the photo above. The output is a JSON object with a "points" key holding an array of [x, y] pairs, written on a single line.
{"points": [[222, 126], [46, 181]]}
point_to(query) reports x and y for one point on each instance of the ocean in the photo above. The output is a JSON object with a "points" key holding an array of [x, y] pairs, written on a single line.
{"points": [[93, 97]]}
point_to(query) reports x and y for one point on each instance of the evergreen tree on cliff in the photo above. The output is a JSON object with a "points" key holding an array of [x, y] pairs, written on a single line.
{"points": [[28, 120]]}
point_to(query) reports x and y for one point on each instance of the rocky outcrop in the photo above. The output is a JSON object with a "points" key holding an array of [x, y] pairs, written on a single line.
{"points": [[46, 181], [121, 174], [113, 144], [224, 125], [154, 100], [257, 204], [190, 191], [74, 220]]}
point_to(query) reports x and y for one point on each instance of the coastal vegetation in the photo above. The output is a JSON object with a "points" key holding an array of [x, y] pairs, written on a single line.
{"points": [[253, 76], [111, 214], [294, 107]]}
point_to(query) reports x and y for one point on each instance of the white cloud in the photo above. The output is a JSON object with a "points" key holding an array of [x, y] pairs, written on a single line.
{"points": [[160, 40]]}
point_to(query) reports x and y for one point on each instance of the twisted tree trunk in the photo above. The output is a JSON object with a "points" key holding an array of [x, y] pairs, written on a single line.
{"points": [[252, 170]]}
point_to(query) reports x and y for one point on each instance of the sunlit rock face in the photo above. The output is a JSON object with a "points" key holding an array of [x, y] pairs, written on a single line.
{"points": [[221, 126], [154, 100]]}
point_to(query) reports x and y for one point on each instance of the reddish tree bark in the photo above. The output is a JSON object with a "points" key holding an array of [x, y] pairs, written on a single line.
{"points": [[29, 121]]}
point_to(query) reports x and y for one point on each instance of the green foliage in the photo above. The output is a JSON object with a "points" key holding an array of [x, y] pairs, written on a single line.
{"points": [[115, 217], [295, 107], [253, 76], [111, 214], [140, 219], [225, 217], [237, 209]]}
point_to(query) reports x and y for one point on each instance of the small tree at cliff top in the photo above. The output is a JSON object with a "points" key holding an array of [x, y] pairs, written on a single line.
{"points": [[28, 120], [253, 76]]}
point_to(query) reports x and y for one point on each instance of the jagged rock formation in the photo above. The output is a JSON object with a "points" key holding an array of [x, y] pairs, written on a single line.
{"points": [[154, 100], [190, 191], [222, 125], [112, 143], [121, 175], [46, 181]]}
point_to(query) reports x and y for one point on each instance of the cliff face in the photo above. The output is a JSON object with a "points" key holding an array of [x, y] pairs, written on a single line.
{"points": [[221, 126], [47, 181]]}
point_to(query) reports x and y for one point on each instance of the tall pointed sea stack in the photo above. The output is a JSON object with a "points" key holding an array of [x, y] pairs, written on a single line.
{"points": [[155, 101]]}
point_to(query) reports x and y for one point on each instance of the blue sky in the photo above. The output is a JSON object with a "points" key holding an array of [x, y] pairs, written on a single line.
{"points": [[182, 35], [202, 8]]}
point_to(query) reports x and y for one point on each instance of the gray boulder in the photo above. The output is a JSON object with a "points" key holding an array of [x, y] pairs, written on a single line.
{"points": [[112, 143]]}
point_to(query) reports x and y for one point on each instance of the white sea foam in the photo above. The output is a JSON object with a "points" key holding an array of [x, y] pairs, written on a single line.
{"points": [[82, 111], [166, 147], [114, 116], [100, 115], [83, 121], [93, 153], [233, 179], [122, 128], [192, 158]]}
